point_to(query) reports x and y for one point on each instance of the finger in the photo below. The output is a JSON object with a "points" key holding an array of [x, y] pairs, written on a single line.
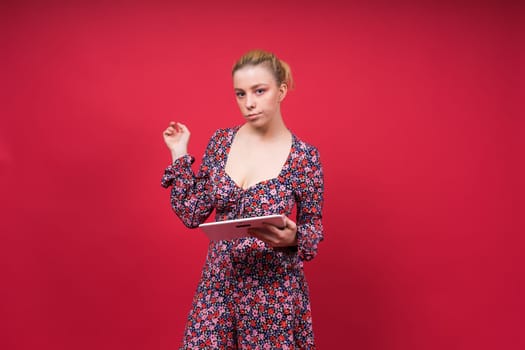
{"points": [[255, 233], [183, 127], [263, 236], [290, 224], [171, 125], [169, 131], [272, 228]]}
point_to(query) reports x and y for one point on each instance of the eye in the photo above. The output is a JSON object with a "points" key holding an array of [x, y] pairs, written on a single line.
{"points": [[260, 91], [239, 94]]}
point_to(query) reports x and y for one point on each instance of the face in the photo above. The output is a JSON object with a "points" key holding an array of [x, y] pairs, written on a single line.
{"points": [[258, 94]]}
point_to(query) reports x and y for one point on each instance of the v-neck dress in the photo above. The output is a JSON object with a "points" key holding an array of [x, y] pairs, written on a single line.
{"points": [[250, 296]]}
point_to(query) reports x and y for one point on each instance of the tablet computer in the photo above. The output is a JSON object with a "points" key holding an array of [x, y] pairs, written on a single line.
{"points": [[237, 228]]}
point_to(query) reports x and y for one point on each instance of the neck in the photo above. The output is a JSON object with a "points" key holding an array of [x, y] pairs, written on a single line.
{"points": [[271, 130]]}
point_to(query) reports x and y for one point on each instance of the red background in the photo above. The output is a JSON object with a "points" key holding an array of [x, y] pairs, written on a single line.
{"points": [[413, 105]]}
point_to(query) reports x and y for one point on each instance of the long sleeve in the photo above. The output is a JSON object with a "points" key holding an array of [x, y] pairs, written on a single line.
{"points": [[309, 189], [190, 194]]}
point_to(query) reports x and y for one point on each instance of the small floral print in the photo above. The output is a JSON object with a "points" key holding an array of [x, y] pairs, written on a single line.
{"points": [[250, 296]]}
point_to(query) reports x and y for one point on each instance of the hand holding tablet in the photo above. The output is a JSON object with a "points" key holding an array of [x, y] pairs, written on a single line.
{"points": [[238, 228]]}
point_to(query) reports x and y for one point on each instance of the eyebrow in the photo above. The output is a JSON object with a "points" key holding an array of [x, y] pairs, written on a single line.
{"points": [[255, 86]]}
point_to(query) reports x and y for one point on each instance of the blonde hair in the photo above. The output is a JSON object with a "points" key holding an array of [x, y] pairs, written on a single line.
{"points": [[280, 69]]}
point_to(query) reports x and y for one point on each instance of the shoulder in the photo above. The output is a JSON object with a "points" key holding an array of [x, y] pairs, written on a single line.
{"points": [[307, 167], [224, 133], [220, 133], [305, 150], [222, 136]]}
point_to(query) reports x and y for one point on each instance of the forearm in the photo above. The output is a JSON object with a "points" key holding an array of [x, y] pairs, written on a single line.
{"points": [[189, 193]]}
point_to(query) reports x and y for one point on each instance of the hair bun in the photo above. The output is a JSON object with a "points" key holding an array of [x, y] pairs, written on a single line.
{"points": [[280, 69]]}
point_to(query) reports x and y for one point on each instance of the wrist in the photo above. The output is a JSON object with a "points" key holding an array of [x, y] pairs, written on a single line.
{"points": [[177, 155]]}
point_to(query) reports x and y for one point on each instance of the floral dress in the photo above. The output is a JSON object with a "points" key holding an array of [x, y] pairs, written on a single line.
{"points": [[250, 296]]}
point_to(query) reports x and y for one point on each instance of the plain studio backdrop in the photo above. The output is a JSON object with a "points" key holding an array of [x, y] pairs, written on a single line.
{"points": [[413, 106]]}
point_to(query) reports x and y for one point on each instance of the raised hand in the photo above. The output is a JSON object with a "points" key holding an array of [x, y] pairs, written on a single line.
{"points": [[176, 137]]}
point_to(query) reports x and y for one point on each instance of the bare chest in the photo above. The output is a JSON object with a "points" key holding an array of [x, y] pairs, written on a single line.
{"points": [[248, 164]]}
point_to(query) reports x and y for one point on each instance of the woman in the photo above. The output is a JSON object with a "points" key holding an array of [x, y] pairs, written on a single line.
{"points": [[252, 293]]}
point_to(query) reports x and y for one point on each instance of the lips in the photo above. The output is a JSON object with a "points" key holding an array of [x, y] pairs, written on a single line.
{"points": [[253, 115]]}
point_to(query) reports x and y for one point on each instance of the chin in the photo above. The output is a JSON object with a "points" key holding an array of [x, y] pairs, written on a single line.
{"points": [[257, 121]]}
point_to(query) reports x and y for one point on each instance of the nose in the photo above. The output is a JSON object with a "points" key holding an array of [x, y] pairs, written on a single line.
{"points": [[250, 101]]}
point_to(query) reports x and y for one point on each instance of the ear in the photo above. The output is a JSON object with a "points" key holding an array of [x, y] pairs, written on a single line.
{"points": [[283, 89]]}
